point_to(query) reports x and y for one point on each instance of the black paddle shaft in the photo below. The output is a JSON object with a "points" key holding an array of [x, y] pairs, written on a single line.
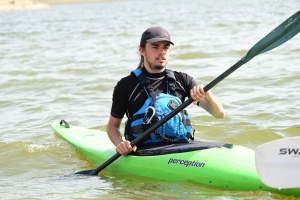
{"points": [[285, 31]]}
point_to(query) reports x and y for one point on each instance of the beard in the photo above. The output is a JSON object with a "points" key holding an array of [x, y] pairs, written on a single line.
{"points": [[155, 66]]}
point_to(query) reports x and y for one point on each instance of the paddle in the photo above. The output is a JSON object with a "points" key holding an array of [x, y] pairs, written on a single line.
{"points": [[278, 163], [285, 31]]}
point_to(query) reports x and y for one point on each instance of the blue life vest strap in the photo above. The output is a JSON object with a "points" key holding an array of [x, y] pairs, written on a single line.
{"points": [[170, 79], [145, 83]]}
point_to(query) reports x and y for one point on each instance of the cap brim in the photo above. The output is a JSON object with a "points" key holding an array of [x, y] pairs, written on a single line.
{"points": [[159, 40]]}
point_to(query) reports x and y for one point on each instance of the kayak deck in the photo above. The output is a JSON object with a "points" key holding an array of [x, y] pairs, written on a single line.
{"points": [[231, 168]]}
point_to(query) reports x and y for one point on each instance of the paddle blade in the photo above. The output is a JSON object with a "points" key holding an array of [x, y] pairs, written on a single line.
{"points": [[87, 172], [278, 163], [285, 31]]}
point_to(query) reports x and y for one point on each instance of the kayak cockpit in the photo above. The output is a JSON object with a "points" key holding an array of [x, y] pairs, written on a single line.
{"points": [[168, 148]]}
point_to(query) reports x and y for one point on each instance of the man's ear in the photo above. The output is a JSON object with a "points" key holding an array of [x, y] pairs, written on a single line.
{"points": [[142, 51]]}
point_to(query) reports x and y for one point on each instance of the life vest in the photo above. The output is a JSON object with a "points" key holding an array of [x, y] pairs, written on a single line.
{"points": [[156, 107]]}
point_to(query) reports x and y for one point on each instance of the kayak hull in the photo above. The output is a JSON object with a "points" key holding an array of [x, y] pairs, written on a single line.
{"points": [[229, 168]]}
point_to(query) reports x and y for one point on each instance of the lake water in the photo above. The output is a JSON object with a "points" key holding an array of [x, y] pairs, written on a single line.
{"points": [[63, 63]]}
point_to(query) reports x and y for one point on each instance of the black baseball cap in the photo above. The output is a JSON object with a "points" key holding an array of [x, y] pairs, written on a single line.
{"points": [[155, 34]]}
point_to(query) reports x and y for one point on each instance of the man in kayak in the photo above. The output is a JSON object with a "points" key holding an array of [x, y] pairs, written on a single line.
{"points": [[152, 91]]}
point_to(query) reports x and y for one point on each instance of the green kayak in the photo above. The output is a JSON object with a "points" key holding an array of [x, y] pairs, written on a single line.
{"points": [[216, 164]]}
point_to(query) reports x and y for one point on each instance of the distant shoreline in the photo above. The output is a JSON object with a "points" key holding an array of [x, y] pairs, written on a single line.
{"points": [[66, 1], [11, 5]]}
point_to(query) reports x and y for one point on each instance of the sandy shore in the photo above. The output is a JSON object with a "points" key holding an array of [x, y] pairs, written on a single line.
{"points": [[10, 5], [66, 1]]}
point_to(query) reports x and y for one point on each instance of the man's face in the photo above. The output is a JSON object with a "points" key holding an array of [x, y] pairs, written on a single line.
{"points": [[156, 55]]}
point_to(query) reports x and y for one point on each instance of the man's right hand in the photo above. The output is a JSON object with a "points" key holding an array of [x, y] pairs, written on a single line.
{"points": [[125, 148]]}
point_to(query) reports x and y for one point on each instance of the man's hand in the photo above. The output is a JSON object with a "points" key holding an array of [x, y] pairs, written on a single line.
{"points": [[124, 148]]}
